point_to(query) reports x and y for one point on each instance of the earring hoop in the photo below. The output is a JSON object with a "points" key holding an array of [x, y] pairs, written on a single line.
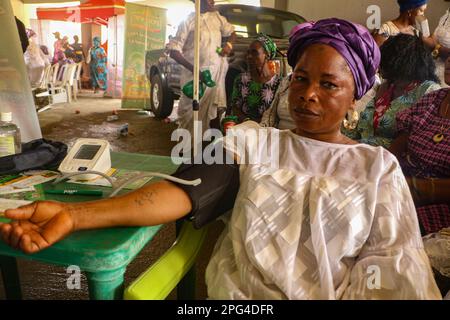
{"points": [[353, 122]]}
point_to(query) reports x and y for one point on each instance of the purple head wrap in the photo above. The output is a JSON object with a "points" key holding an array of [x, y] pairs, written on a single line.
{"points": [[351, 40], [30, 33]]}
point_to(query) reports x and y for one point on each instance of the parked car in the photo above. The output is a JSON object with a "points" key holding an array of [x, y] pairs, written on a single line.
{"points": [[164, 73]]}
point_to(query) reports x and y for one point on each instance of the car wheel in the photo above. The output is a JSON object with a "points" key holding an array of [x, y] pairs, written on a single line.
{"points": [[161, 97]]}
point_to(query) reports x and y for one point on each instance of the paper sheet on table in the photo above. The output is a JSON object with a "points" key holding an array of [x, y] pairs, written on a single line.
{"points": [[25, 183], [11, 204], [11, 189]]}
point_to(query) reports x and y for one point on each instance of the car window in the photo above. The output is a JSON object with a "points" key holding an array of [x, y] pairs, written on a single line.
{"points": [[248, 20]]}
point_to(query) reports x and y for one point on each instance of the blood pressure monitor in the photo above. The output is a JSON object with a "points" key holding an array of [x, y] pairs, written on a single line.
{"points": [[87, 155]]}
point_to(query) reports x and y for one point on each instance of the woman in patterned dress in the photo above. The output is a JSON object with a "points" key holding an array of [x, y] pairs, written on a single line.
{"points": [[254, 91], [97, 62], [409, 72], [423, 149]]}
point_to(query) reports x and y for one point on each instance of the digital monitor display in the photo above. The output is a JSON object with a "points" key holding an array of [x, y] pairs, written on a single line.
{"points": [[87, 152]]}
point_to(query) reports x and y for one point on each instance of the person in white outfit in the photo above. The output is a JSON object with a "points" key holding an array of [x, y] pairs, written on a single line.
{"points": [[442, 45], [35, 60], [213, 28]]}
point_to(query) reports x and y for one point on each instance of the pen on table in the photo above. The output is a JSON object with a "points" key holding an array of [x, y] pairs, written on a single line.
{"points": [[76, 192]]}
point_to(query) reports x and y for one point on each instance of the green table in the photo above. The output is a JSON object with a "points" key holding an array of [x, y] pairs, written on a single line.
{"points": [[102, 254]]}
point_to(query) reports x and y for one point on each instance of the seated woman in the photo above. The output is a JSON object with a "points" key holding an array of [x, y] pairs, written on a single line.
{"points": [[278, 115], [253, 91], [423, 149], [405, 23], [409, 73], [310, 221]]}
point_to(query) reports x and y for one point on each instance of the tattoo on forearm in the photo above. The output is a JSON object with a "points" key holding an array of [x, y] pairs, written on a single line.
{"points": [[146, 196]]}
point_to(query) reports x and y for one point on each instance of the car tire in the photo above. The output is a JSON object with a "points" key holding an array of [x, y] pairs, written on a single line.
{"points": [[161, 97]]}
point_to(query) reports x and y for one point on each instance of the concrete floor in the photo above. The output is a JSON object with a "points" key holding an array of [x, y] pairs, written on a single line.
{"points": [[87, 118]]}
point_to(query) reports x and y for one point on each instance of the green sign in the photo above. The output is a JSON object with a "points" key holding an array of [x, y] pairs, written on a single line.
{"points": [[145, 29]]}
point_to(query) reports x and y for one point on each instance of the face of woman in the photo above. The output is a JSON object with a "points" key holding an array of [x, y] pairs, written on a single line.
{"points": [[256, 55], [420, 11], [321, 91]]}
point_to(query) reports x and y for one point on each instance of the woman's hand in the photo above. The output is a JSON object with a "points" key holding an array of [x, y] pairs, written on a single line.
{"points": [[37, 226], [226, 49]]}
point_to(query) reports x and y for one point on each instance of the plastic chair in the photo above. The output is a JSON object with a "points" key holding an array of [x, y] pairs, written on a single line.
{"points": [[59, 91], [169, 270], [70, 82], [44, 79], [54, 73], [78, 76]]}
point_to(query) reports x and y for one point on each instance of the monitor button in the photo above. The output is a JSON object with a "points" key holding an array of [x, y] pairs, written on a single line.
{"points": [[82, 168]]}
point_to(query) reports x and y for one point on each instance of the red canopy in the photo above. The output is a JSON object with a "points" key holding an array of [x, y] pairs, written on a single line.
{"points": [[91, 11]]}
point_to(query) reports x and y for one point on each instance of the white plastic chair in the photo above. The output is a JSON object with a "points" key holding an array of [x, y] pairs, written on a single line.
{"points": [[60, 91], [42, 84], [77, 83], [68, 80], [54, 74]]}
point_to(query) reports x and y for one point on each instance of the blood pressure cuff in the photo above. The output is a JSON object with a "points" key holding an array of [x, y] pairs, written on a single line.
{"points": [[215, 195], [36, 154]]}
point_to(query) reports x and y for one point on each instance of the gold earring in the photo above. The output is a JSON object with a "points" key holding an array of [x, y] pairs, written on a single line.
{"points": [[352, 124]]}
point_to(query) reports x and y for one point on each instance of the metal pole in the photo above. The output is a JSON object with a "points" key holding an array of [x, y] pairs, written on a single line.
{"points": [[195, 102]]}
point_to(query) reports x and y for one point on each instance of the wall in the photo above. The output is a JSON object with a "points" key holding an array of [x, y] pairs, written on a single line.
{"points": [[19, 11], [355, 10], [269, 3]]}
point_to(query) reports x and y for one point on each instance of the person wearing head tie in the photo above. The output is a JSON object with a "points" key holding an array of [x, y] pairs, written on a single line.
{"points": [[253, 91], [309, 221], [405, 22]]}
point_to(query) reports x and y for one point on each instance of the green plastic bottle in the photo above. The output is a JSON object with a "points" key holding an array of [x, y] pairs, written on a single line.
{"points": [[188, 89], [207, 78]]}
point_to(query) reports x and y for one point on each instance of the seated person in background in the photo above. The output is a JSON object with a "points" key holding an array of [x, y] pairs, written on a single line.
{"points": [[46, 53], [278, 115], [62, 60], [308, 221], [254, 91], [423, 150], [405, 23], [439, 42], [35, 60], [408, 71], [68, 51]]}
